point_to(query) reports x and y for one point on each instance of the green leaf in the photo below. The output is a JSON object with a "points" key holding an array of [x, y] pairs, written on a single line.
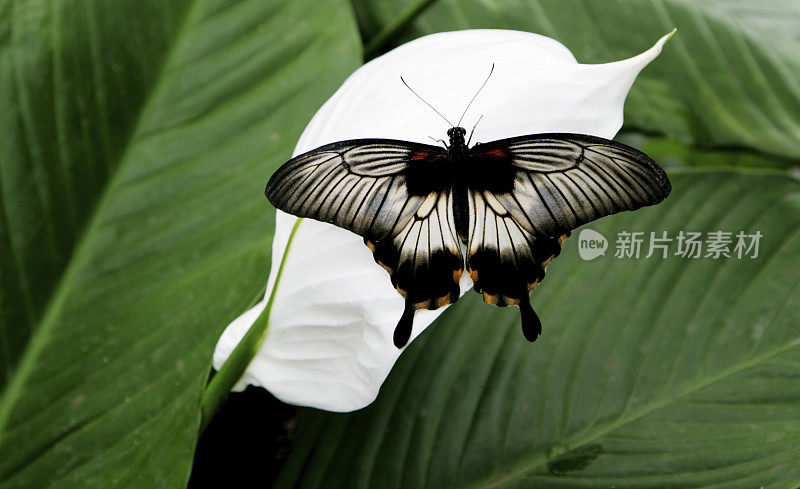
{"points": [[727, 78], [670, 153], [137, 139], [654, 372]]}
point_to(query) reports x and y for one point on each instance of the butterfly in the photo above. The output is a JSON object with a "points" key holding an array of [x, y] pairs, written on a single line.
{"points": [[499, 210]]}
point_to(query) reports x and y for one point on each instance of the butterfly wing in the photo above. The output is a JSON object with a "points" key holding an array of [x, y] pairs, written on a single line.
{"points": [[395, 195], [423, 259], [505, 260], [526, 195]]}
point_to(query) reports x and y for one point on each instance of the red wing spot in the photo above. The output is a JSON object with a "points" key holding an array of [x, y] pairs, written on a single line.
{"points": [[497, 153], [420, 155]]}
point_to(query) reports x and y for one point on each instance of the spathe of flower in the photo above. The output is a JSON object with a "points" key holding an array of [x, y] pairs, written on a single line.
{"points": [[329, 343]]}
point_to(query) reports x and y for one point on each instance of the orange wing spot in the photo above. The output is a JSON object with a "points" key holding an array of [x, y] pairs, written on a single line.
{"points": [[401, 291], [490, 299], [511, 301], [371, 246], [473, 274], [532, 285], [443, 301], [497, 153], [457, 274], [423, 305], [562, 238], [420, 155]]}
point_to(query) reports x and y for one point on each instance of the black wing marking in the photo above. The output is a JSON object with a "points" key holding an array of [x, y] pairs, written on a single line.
{"points": [[526, 195], [363, 186]]}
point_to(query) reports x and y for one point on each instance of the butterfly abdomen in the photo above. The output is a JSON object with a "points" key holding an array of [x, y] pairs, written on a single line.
{"points": [[461, 211]]}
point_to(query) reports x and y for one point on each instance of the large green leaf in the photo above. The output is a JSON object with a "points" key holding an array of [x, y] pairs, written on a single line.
{"points": [[71, 90], [728, 78], [137, 138], [651, 372]]}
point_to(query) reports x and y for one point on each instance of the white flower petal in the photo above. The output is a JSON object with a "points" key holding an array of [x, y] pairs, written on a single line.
{"points": [[329, 343]]}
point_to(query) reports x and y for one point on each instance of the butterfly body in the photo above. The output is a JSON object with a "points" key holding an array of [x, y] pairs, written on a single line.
{"points": [[456, 170], [499, 210]]}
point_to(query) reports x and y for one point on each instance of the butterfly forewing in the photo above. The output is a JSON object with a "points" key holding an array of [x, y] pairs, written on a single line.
{"points": [[562, 181], [359, 185]]}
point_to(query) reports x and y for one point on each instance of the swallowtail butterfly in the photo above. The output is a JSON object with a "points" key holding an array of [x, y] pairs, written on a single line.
{"points": [[500, 210]]}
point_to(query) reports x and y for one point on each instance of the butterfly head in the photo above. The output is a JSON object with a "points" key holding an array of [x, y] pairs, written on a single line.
{"points": [[456, 135]]}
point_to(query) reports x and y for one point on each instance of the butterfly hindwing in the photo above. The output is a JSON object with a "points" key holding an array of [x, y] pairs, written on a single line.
{"points": [[505, 261], [423, 260]]}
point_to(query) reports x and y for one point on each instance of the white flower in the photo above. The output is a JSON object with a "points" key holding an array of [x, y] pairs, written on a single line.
{"points": [[329, 343]]}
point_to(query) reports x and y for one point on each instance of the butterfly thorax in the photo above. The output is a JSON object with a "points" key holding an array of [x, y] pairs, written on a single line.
{"points": [[457, 156], [458, 146]]}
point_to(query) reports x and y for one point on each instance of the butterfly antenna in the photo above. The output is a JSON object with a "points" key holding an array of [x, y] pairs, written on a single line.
{"points": [[473, 129], [439, 140], [476, 94], [426, 102]]}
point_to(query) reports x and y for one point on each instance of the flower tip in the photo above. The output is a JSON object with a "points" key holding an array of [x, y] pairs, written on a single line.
{"points": [[656, 49], [667, 37], [646, 57]]}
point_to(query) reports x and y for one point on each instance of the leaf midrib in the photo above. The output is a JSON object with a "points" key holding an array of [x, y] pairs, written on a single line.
{"points": [[49, 321], [527, 464]]}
